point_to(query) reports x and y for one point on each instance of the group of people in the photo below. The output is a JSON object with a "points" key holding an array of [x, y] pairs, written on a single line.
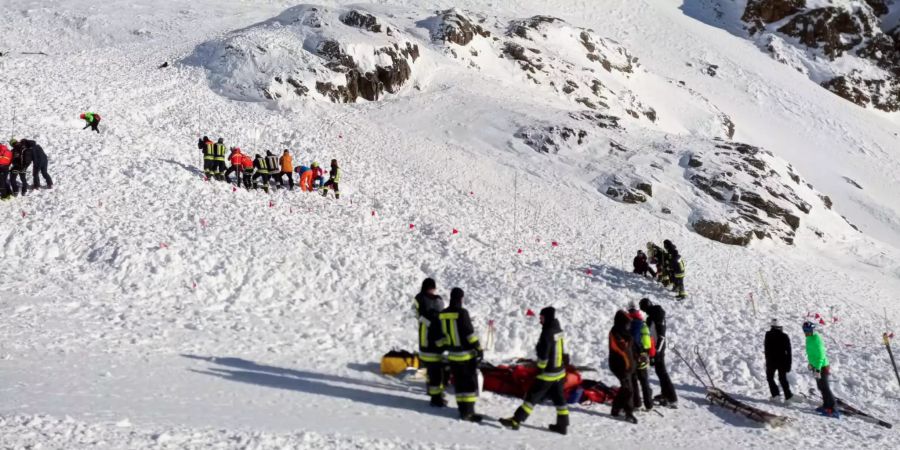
{"points": [[15, 160], [669, 266], [259, 171], [449, 345], [779, 360]]}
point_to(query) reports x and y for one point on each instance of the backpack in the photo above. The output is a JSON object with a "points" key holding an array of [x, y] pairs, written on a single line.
{"points": [[396, 362]]}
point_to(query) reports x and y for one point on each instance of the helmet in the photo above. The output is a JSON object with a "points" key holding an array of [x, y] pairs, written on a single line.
{"points": [[645, 303], [221, 140], [13, 141], [315, 164], [632, 306], [81, 116], [237, 149], [809, 327]]}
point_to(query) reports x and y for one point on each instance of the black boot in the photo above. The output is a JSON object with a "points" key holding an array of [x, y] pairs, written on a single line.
{"points": [[438, 401], [510, 423], [631, 418], [558, 429]]}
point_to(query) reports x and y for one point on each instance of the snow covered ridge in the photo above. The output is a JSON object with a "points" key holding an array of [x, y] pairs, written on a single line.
{"points": [[850, 47]]}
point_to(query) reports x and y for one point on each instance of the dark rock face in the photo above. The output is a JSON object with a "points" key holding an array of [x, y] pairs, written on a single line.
{"points": [[879, 7], [361, 20], [457, 28], [834, 30], [369, 85], [762, 12], [721, 232], [550, 139]]}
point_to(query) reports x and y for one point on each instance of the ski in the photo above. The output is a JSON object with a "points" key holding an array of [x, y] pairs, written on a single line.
{"points": [[845, 408], [721, 398]]}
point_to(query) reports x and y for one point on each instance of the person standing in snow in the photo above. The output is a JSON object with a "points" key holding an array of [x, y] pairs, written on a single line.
{"points": [[642, 266], [622, 365], [287, 169], [40, 164], [6, 158], [23, 156], [818, 363], [778, 359], [247, 169], [676, 271], [318, 177], [237, 167], [656, 321], [550, 381], [92, 120], [464, 353], [428, 309], [333, 180], [219, 159], [209, 157], [640, 332], [273, 164]]}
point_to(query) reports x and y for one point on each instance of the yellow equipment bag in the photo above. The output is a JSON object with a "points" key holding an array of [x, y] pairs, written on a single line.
{"points": [[396, 362]]}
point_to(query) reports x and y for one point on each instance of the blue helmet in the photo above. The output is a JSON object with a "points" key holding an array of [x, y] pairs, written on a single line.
{"points": [[809, 327]]}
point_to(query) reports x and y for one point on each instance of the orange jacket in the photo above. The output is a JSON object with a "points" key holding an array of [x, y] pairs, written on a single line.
{"points": [[247, 162], [237, 158], [287, 164], [5, 156], [306, 181]]}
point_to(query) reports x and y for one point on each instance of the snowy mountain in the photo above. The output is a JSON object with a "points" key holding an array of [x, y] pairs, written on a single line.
{"points": [[523, 151]]}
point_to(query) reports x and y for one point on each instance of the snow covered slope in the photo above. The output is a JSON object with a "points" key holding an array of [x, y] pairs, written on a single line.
{"points": [[143, 307]]}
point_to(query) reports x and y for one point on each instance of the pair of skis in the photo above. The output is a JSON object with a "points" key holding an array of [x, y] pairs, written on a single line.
{"points": [[847, 409], [722, 399]]}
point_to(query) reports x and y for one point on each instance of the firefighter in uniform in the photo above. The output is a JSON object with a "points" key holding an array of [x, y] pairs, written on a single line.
{"points": [[209, 158], [551, 379], [431, 336], [262, 171], [677, 270], [660, 258], [463, 352], [220, 160]]}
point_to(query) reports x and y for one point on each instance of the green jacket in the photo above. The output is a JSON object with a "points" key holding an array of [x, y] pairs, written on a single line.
{"points": [[815, 351]]}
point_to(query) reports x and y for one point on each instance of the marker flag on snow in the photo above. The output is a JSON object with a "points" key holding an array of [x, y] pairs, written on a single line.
{"points": [[163, 245], [519, 251], [271, 204], [234, 189], [373, 213], [455, 231], [23, 214], [411, 226], [588, 272], [554, 244], [529, 313]]}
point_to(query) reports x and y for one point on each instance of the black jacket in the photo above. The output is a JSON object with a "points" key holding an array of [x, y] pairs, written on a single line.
{"points": [[460, 340], [778, 349], [621, 346], [640, 264], [550, 348], [22, 157], [656, 321], [37, 152], [428, 309]]}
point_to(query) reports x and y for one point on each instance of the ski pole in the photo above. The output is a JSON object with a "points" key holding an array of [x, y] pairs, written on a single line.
{"points": [[689, 366], [887, 345]]}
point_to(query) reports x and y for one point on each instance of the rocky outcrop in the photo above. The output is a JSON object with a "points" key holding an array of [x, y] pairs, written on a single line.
{"points": [[834, 30], [637, 192], [361, 20], [367, 85], [721, 232], [759, 13], [456, 28], [550, 139]]}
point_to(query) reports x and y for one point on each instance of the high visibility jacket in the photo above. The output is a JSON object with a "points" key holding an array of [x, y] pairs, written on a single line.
{"points": [[209, 153], [678, 268], [90, 117], [247, 162], [5, 156], [335, 174], [272, 163], [219, 150], [431, 334], [640, 333], [261, 167], [460, 340], [236, 158], [306, 182], [287, 164], [815, 351], [550, 349]]}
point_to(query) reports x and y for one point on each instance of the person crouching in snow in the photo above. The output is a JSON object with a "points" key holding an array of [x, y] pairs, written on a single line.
{"points": [[92, 120], [642, 265]]}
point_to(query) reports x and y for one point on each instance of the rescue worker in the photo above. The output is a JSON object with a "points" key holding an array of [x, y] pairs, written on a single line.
{"points": [[237, 167], [272, 164], [306, 178], [209, 158], [262, 171], [428, 309], [656, 321], [622, 365], [818, 363], [640, 384], [247, 169], [659, 258], [287, 169], [6, 157], [22, 159], [550, 381], [676, 271], [40, 165], [219, 158], [333, 180], [642, 266], [463, 352], [778, 359], [92, 119], [318, 176], [201, 143]]}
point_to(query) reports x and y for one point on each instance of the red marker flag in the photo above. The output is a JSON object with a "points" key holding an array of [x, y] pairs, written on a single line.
{"points": [[821, 321], [455, 231], [529, 313], [411, 226], [554, 244], [271, 204], [589, 272], [519, 251]]}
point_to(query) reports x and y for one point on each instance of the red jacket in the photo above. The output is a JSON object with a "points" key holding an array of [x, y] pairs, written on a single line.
{"points": [[5, 155], [247, 162], [236, 158]]}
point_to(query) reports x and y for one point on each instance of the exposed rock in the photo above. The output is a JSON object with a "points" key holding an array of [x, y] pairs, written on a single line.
{"points": [[645, 187], [551, 138], [721, 232], [853, 183], [836, 30], [521, 28], [762, 12], [695, 161], [665, 210], [826, 200], [599, 119], [879, 7], [361, 20], [457, 28]]}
